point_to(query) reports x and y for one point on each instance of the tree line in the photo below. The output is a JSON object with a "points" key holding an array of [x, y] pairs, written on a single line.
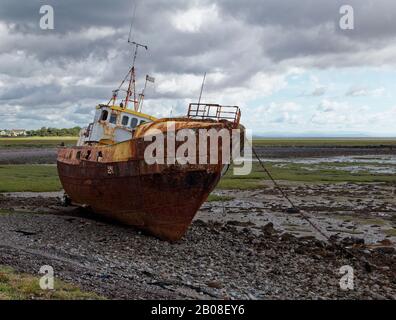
{"points": [[54, 132]]}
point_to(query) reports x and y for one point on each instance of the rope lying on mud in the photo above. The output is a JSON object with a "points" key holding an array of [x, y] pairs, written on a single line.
{"points": [[294, 209]]}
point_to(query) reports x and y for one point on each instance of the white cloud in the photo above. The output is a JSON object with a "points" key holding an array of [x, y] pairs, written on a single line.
{"points": [[96, 33], [332, 114], [193, 19], [279, 115], [357, 91]]}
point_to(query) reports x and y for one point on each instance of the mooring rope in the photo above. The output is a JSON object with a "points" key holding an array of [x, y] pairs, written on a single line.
{"points": [[367, 265], [294, 207]]}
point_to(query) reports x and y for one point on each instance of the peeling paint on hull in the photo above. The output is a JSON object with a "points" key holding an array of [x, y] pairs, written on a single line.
{"points": [[162, 204], [160, 199]]}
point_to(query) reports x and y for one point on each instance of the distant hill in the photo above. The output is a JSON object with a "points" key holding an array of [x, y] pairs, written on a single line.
{"points": [[313, 134]]}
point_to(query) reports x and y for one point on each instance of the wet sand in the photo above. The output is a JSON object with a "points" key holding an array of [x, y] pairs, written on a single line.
{"points": [[317, 151], [27, 155]]}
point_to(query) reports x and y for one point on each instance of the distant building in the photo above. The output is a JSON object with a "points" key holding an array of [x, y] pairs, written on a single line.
{"points": [[13, 133], [18, 132]]}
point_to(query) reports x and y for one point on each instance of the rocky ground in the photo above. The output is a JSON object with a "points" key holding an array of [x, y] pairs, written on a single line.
{"points": [[219, 258], [361, 210]]}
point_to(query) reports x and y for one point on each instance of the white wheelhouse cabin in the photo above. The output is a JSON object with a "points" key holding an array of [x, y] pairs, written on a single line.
{"points": [[112, 124]]}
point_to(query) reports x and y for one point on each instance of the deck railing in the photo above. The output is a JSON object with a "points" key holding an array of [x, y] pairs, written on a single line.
{"points": [[214, 111]]}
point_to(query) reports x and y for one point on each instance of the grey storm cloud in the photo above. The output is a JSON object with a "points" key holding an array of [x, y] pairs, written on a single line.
{"points": [[238, 39]]}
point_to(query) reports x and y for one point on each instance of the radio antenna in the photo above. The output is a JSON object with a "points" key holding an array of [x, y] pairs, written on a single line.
{"points": [[132, 21], [202, 88], [131, 95]]}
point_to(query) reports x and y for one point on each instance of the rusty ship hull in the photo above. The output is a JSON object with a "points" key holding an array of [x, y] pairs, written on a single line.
{"points": [[161, 199]]}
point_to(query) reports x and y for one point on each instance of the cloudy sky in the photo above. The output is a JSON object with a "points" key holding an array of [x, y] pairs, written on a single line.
{"points": [[287, 63]]}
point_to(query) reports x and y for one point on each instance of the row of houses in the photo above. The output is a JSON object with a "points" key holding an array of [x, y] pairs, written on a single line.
{"points": [[13, 133]]}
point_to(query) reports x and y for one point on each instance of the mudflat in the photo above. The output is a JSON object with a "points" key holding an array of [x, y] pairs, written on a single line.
{"points": [[243, 244]]}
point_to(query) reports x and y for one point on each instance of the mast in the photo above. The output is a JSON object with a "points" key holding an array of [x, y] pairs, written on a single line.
{"points": [[132, 80], [131, 94], [142, 95]]}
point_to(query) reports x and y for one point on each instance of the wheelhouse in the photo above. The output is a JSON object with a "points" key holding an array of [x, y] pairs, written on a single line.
{"points": [[113, 124]]}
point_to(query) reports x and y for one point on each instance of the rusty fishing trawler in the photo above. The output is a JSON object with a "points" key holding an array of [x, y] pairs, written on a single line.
{"points": [[107, 172]]}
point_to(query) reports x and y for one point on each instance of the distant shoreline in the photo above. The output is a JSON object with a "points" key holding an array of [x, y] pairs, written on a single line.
{"points": [[41, 138]]}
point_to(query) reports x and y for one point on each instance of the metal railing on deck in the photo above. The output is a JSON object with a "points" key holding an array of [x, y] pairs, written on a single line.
{"points": [[214, 111]]}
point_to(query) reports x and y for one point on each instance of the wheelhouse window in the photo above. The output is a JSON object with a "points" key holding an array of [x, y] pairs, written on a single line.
{"points": [[125, 120], [104, 115], [142, 122], [134, 123], [113, 118]]}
